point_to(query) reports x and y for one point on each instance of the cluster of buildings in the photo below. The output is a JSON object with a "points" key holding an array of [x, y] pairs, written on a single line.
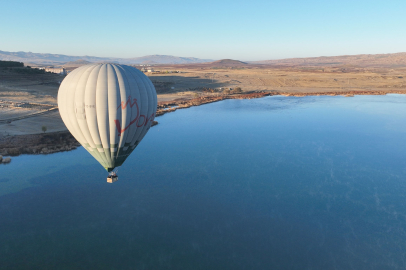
{"points": [[150, 69], [60, 71]]}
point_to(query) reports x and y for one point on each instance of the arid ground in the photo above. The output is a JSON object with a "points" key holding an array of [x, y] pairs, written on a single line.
{"points": [[28, 102]]}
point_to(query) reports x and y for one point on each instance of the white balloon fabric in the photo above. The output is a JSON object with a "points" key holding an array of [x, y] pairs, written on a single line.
{"points": [[108, 108]]}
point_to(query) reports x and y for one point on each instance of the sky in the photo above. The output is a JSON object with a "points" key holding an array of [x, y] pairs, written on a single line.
{"points": [[243, 30]]}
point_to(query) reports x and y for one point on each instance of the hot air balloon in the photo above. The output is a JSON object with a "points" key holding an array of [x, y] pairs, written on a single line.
{"points": [[108, 108]]}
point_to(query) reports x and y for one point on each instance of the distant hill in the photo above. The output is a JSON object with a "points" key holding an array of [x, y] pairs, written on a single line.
{"points": [[77, 63], [163, 59], [361, 60], [148, 62], [46, 58], [61, 59], [228, 63], [223, 63]]}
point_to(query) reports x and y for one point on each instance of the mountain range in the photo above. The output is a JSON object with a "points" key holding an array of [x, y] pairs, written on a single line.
{"points": [[60, 59], [392, 60], [361, 60]]}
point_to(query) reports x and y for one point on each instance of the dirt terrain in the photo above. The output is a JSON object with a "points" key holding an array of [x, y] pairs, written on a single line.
{"points": [[267, 78], [28, 102], [37, 93]]}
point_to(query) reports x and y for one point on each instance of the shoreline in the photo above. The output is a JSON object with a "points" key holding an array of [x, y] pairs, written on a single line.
{"points": [[35, 144], [168, 106], [60, 141]]}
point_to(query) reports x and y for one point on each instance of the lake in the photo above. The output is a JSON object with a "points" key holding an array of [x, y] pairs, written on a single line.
{"points": [[270, 183]]}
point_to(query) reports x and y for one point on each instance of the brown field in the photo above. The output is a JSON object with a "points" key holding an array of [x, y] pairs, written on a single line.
{"points": [[198, 80], [281, 79]]}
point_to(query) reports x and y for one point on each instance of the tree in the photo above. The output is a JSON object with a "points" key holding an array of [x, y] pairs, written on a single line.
{"points": [[44, 128]]}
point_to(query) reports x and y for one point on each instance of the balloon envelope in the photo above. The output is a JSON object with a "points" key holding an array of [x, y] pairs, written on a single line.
{"points": [[108, 108]]}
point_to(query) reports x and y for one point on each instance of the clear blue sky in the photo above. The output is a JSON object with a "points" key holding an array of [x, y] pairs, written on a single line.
{"points": [[243, 30]]}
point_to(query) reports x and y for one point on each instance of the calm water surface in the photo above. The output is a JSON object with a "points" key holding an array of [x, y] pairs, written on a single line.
{"points": [[271, 183]]}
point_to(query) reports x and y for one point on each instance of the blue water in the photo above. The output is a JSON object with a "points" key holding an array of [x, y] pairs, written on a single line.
{"points": [[271, 183]]}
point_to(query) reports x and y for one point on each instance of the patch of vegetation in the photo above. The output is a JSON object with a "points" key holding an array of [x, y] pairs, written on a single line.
{"points": [[209, 90], [28, 70], [11, 64], [162, 87]]}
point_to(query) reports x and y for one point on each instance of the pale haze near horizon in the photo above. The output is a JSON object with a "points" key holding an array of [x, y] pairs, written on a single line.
{"points": [[243, 30]]}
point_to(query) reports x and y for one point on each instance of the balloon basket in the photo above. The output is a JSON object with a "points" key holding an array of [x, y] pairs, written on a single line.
{"points": [[112, 179]]}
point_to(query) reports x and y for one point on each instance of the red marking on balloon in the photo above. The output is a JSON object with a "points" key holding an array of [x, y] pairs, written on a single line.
{"points": [[124, 105], [151, 118], [145, 119]]}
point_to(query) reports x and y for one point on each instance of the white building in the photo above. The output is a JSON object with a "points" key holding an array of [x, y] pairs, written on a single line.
{"points": [[61, 71]]}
